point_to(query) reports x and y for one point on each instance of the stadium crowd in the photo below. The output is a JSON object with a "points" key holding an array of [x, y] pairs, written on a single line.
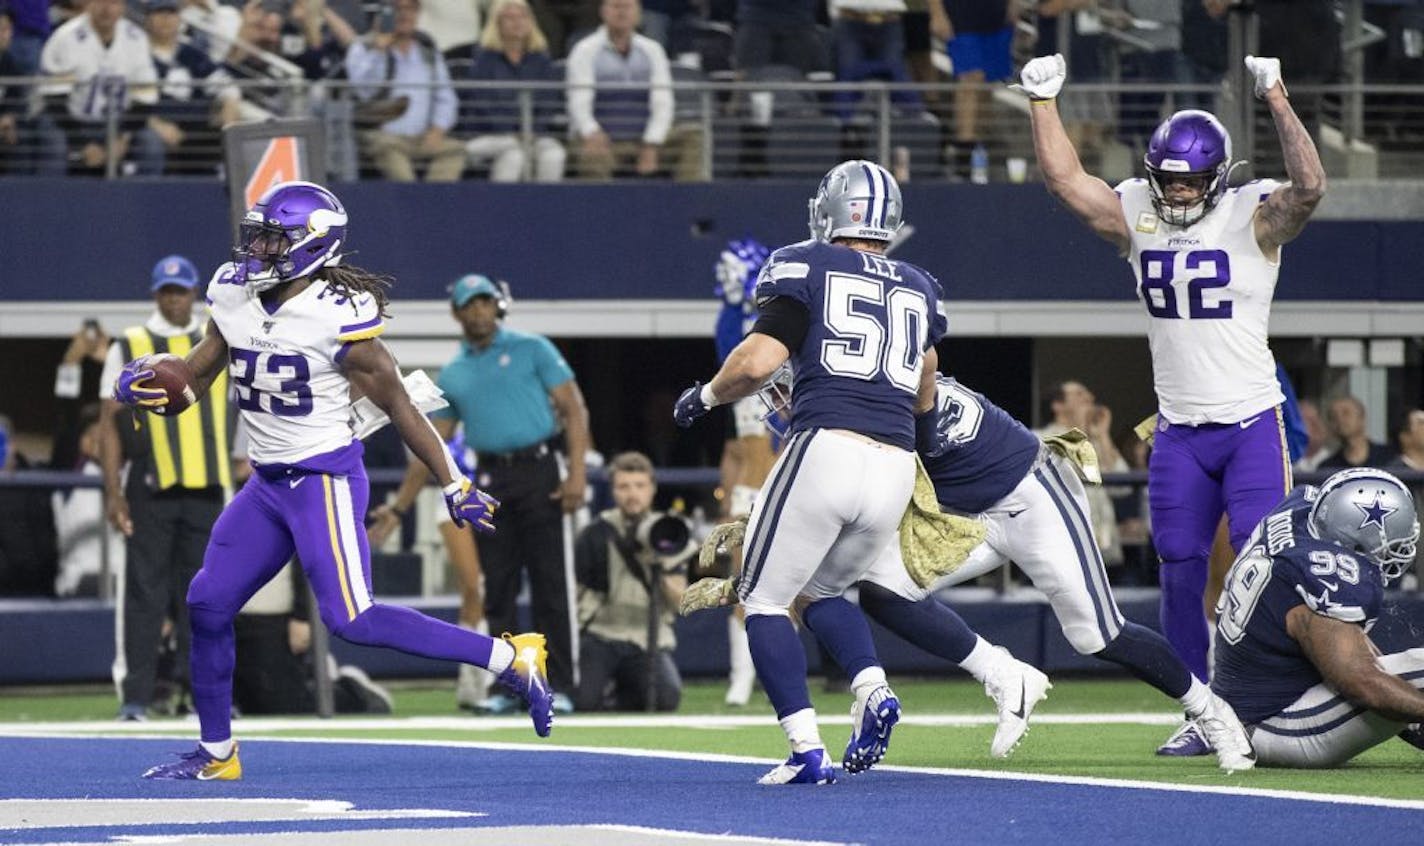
{"points": [[160, 78]]}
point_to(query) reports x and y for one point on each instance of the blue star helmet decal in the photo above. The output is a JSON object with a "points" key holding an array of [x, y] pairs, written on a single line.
{"points": [[1375, 513]]}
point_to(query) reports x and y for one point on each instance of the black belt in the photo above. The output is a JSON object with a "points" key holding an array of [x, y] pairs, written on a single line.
{"points": [[515, 456]]}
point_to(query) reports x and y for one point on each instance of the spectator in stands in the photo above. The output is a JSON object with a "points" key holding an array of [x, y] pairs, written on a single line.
{"points": [[30, 22], [778, 32], [1155, 27], [1073, 406], [1305, 36], [14, 102], [1088, 116], [315, 37], [1409, 440], [405, 63], [28, 559], [80, 529], [1204, 36], [1318, 444], [195, 96], [512, 49], [660, 16], [870, 44], [564, 22], [619, 565], [274, 670], [1347, 421], [616, 128], [211, 26], [99, 64], [76, 380], [981, 36], [926, 28], [454, 25]]}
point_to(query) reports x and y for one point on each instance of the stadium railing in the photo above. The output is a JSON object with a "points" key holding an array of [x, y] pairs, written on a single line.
{"points": [[792, 129], [688, 486]]}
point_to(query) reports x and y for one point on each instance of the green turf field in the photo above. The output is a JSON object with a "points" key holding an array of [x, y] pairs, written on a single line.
{"points": [[1105, 750]]}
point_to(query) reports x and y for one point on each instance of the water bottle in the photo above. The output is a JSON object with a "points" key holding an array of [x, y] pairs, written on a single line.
{"points": [[979, 165]]}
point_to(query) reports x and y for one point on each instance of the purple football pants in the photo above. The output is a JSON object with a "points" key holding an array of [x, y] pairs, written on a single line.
{"points": [[1196, 474], [318, 516]]}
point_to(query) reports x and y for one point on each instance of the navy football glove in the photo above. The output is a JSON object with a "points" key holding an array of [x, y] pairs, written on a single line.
{"points": [[932, 433], [689, 406], [470, 505]]}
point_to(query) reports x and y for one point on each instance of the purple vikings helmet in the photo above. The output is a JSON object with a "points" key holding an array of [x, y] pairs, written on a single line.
{"points": [[294, 230], [1191, 144], [739, 265]]}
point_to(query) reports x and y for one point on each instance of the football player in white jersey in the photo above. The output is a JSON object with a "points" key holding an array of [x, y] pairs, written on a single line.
{"points": [[1206, 257], [297, 332]]}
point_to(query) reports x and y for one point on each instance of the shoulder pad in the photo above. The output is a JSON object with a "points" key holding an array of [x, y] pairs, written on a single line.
{"points": [[222, 285], [1333, 582], [786, 273]]}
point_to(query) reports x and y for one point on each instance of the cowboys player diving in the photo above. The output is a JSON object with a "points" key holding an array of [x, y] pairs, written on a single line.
{"points": [[860, 330], [1293, 654], [297, 331]]}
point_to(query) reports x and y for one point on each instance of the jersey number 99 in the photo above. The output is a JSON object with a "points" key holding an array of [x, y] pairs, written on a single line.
{"points": [[292, 397], [864, 347]]}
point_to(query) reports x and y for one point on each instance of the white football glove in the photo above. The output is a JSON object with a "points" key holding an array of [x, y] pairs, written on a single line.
{"points": [[731, 273], [1043, 77], [1267, 73]]}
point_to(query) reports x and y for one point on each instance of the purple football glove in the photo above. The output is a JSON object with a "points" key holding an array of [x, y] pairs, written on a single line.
{"points": [[689, 406], [131, 390], [470, 505]]}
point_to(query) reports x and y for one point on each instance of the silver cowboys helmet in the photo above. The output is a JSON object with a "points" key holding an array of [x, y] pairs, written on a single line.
{"points": [[1369, 511], [857, 199]]}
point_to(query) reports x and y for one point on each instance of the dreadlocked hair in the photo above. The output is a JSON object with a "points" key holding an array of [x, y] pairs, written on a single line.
{"points": [[350, 281]]}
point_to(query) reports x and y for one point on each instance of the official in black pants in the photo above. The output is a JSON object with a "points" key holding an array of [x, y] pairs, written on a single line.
{"points": [[515, 396], [179, 470]]}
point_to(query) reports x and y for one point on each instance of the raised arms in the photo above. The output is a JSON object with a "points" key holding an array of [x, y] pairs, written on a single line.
{"points": [[1284, 214], [1090, 198]]}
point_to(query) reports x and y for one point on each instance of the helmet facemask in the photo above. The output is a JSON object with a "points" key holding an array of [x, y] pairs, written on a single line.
{"points": [[775, 396], [1209, 184]]}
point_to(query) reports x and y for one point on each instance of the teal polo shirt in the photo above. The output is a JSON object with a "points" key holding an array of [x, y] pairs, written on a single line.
{"points": [[501, 392]]}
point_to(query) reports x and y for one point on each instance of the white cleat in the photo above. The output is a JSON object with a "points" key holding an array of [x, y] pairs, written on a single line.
{"points": [[1016, 689], [739, 687], [1226, 735]]}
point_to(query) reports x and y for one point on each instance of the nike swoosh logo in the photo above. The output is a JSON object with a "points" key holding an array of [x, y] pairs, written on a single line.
{"points": [[1023, 697], [1329, 586], [1246, 424], [297, 481], [1013, 514]]}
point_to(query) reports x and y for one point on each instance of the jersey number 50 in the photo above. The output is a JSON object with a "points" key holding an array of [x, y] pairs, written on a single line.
{"points": [[863, 346], [293, 396], [1209, 269]]}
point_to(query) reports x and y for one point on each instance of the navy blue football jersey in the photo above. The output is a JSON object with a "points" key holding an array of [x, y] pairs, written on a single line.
{"points": [[989, 451], [1260, 669], [871, 320]]}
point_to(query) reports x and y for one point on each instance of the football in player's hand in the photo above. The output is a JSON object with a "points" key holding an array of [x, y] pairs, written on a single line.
{"points": [[175, 377]]}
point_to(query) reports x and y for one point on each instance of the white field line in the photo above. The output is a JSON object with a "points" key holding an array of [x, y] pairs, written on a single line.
{"points": [[476, 724], [1090, 781]]}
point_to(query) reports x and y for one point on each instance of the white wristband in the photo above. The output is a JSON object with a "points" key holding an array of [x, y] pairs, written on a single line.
{"points": [[708, 398]]}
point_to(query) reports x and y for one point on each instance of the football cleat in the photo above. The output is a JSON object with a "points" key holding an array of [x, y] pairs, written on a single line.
{"points": [[526, 678], [199, 765], [810, 767], [1227, 736], [1186, 742], [1413, 734], [1016, 688], [871, 721]]}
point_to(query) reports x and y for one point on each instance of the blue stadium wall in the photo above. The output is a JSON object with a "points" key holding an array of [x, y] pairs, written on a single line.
{"points": [[80, 240]]}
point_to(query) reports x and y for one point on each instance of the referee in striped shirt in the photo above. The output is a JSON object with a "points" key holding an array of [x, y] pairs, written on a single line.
{"points": [[165, 479]]}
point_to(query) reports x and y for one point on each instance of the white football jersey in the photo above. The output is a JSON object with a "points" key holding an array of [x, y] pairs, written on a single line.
{"points": [[1207, 289], [98, 77], [285, 366]]}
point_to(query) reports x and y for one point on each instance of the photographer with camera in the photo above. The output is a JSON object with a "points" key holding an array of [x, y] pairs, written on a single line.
{"points": [[631, 565]]}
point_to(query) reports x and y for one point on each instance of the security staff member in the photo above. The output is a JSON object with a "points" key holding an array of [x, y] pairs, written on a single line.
{"points": [[514, 393], [178, 472]]}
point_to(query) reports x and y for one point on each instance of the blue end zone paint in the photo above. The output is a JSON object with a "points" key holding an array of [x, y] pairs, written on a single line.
{"points": [[571, 788]]}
